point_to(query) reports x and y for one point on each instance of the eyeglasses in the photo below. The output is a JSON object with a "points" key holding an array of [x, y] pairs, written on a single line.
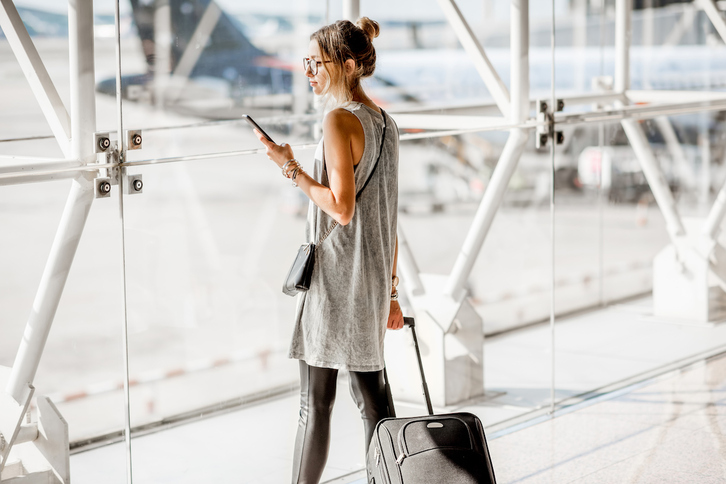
{"points": [[312, 64]]}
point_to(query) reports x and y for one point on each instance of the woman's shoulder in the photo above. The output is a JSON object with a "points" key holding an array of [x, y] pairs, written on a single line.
{"points": [[341, 120], [339, 115]]}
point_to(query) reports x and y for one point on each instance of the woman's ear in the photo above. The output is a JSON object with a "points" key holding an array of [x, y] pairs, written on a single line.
{"points": [[349, 67]]}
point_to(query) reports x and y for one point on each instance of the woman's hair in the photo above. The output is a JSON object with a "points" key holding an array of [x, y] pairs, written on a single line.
{"points": [[345, 40]]}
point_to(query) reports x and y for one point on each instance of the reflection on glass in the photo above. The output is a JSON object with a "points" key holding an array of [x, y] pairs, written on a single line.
{"points": [[208, 324], [203, 272], [612, 237]]}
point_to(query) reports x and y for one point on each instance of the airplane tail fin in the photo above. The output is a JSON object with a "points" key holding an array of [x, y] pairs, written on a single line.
{"points": [[196, 38]]}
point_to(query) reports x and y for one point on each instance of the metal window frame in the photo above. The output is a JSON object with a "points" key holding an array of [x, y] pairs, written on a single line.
{"points": [[74, 134]]}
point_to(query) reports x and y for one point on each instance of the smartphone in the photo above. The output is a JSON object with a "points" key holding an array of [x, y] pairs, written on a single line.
{"points": [[256, 126]]}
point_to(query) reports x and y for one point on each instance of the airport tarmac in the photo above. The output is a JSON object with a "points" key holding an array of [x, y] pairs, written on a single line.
{"points": [[209, 241]]}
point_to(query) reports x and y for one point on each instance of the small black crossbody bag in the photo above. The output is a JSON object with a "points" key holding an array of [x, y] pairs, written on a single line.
{"points": [[301, 272]]}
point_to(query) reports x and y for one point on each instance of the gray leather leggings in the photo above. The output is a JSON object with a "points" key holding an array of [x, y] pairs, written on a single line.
{"points": [[317, 396]]}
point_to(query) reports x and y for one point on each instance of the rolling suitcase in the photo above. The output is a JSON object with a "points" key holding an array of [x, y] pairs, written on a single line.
{"points": [[432, 449]]}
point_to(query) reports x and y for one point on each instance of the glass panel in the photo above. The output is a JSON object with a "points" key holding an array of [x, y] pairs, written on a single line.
{"points": [[207, 246], [209, 240], [442, 184], [629, 311], [80, 363]]}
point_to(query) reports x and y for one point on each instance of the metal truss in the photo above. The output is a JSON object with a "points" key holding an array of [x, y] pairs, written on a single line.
{"points": [[448, 323], [75, 134]]}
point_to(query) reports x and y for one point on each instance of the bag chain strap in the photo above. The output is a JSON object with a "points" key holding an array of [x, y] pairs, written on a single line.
{"points": [[322, 239], [383, 137]]}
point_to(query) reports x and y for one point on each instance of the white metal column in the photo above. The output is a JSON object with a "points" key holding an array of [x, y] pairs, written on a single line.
{"points": [[711, 228], [351, 10], [162, 50], [714, 15], [448, 323], [83, 124], [472, 47], [680, 160], [623, 10], [519, 112], [19, 386], [638, 140], [681, 270]]}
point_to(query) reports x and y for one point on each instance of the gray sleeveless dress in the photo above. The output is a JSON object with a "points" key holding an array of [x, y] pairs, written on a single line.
{"points": [[341, 321]]}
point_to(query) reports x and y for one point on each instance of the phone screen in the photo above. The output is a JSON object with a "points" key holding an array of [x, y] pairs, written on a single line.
{"points": [[256, 126]]}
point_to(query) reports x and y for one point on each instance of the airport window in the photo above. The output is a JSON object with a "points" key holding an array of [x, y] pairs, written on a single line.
{"points": [[555, 200]]}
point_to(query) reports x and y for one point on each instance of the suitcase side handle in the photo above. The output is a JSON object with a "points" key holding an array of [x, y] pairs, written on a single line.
{"points": [[412, 324]]}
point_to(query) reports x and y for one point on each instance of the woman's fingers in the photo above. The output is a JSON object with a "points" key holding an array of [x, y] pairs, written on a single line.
{"points": [[277, 153], [268, 144], [395, 316]]}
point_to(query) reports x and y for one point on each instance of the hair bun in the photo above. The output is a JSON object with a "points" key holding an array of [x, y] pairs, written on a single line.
{"points": [[370, 27]]}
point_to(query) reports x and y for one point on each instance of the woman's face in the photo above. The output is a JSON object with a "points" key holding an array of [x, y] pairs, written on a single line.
{"points": [[321, 79]]}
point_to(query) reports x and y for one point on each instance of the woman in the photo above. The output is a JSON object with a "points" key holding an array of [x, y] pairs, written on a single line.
{"points": [[341, 321]]}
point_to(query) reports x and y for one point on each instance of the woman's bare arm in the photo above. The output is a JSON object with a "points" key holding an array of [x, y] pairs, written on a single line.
{"points": [[395, 316], [339, 129]]}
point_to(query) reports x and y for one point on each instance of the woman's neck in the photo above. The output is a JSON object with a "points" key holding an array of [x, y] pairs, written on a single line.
{"points": [[360, 96]]}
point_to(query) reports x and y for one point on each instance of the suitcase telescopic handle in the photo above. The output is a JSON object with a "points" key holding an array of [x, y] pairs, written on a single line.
{"points": [[412, 324]]}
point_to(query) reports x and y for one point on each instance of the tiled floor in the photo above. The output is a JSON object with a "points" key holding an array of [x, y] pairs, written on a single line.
{"points": [[670, 429]]}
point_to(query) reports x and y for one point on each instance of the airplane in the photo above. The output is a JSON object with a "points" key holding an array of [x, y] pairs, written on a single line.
{"points": [[231, 68]]}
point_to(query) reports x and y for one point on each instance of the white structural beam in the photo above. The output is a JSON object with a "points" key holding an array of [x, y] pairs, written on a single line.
{"points": [[162, 50], [351, 10], [38, 171], [30, 163], [714, 15], [684, 24], [409, 268], [51, 286], [654, 175], [638, 141], [436, 121], [623, 31], [711, 227], [519, 111], [36, 74], [83, 79], [519, 61], [659, 96], [448, 323], [485, 213], [472, 46], [676, 150], [78, 205]]}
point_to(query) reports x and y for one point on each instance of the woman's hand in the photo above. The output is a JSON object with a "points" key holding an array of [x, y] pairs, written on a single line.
{"points": [[395, 317], [280, 154]]}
